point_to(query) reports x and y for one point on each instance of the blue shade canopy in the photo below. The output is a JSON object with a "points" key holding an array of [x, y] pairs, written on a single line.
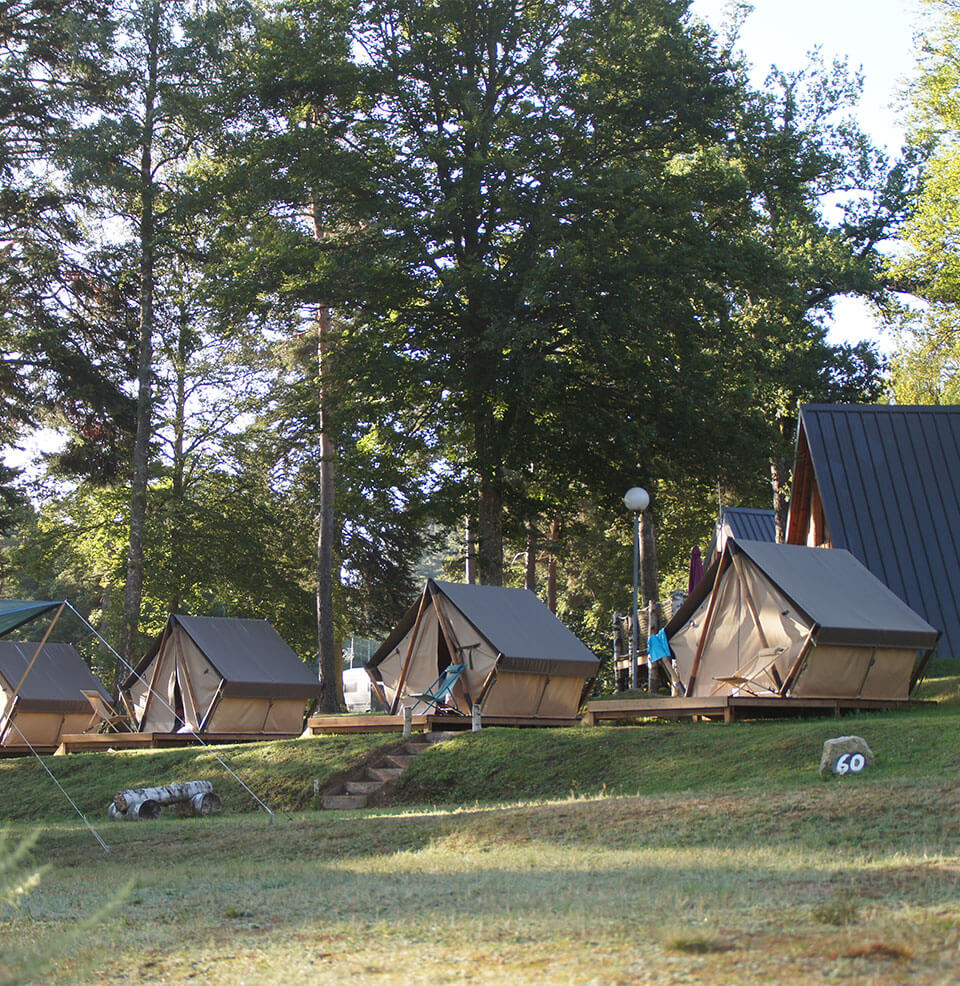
{"points": [[15, 612]]}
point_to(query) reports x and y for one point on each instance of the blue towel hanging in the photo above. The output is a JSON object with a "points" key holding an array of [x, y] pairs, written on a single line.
{"points": [[657, 646]]}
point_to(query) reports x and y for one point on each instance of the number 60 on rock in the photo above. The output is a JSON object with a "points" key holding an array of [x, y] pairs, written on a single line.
{"points": [[850, 763]]}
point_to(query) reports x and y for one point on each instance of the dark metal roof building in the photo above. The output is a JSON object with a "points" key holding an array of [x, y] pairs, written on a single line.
{"points": [[741, 524], [883, 482]]}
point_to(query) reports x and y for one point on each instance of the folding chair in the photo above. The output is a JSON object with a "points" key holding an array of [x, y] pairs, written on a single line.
{"points": [[440, 689], [749, 678], [105, 718]]}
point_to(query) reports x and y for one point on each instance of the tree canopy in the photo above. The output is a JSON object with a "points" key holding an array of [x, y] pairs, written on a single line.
{"points": [[328, 284]]}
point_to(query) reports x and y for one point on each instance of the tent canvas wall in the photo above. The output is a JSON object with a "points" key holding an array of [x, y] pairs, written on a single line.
{"points": [[50, 700], [772, 619], [520, 660], [218, 675]]}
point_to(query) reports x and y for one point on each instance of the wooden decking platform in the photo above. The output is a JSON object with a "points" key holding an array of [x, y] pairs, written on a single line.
{"points": [[24, 751], [730, 708], [88, 742], [362, 723]]}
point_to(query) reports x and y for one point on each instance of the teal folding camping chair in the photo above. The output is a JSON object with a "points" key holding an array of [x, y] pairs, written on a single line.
{"points": [[437, 693]]}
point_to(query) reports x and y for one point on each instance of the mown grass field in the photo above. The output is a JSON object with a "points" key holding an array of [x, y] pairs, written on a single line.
{"points": [[650, 854]]}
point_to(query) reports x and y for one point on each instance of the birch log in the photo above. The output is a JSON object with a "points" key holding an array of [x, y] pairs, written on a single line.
{"points": [[192, 797]]}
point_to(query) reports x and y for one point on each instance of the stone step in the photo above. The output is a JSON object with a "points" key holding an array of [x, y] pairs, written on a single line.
{"points": [[399, 760], [341, 802], [412, 749], [384, 773], [363, 787]]}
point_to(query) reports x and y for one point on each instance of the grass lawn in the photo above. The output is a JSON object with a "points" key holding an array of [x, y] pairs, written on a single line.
{"points": [[650, 854]]}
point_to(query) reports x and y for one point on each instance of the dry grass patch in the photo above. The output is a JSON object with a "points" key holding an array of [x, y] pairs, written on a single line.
{"points": [[615, 890]]}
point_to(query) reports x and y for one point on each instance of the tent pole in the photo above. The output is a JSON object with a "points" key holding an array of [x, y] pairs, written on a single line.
{"points": [[452, 646], [711, 609], [751, 606], [33, 659], [188, 690], [7, 720], [213, 705], [406, 661], [152, 684], [921, 668], [788, 681], [488, 682]]}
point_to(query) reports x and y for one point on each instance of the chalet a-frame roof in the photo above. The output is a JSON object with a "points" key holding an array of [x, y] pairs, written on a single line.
{"points": [[741, 524], [749, 523], [888, 480]]}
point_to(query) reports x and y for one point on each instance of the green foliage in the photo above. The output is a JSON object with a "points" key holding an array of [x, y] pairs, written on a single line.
{"points": [[57, 363], [925, 367]]}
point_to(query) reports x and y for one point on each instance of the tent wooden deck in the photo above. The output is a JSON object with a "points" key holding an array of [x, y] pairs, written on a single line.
{"points": [[731, 708], [25, 751], [90, 742], [361, 723]]}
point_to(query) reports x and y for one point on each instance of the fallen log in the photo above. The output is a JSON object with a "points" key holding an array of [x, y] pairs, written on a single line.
{"points": [[188, 798]]}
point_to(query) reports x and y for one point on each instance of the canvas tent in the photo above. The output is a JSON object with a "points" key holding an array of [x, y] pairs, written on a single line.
{"points": [[217, 675], [793, 621], [41, 693], [520, 660]]}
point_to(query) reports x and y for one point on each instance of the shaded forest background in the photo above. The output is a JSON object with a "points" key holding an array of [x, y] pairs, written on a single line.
{"points": [[323, 297]]}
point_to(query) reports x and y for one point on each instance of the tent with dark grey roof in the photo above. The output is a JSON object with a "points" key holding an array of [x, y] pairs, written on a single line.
{"points": [[788, 620], [41, 691], [519, 659], [216, 675]]}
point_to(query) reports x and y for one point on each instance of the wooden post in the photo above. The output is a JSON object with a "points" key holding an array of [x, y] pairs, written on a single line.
{"points": [[477, 723], [407, 720], [651, 665]]}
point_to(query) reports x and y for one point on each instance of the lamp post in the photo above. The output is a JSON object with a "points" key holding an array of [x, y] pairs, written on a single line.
{"points": [[637, 500]]}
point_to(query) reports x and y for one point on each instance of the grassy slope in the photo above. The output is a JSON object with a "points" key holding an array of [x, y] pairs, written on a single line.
{"points": [[737, 864], [509, 765], [280, 773]]}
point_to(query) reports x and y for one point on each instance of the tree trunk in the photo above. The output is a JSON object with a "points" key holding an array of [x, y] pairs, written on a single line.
{"points": [[175, 513], [552, 564], [133, 589], [779, 478], [470, 555], [649, 569], [781, 463], [330, 663], [530, 573]]}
